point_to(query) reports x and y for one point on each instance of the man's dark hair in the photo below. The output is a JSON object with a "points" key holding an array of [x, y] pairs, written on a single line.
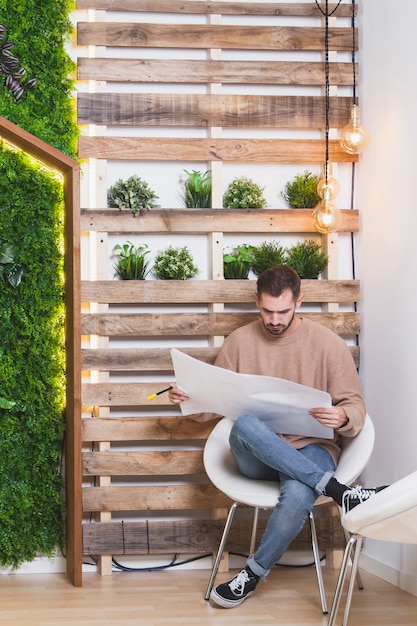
{"points": [[277, 279]]}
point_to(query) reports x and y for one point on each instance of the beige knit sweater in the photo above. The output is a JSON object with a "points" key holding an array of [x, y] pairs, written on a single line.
{"points": [[313, 355]]}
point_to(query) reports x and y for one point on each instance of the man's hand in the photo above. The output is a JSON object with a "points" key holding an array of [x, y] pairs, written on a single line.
{"points": [[176, 396], [332, 416]]}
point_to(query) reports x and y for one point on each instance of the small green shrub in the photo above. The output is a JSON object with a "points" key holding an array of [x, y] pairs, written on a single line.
{"points": [[237, 262], [131, 263], [197, 190], [307, 259], [133, 193], [268, 254], [175, 264], [243, 193], [301, 193]]}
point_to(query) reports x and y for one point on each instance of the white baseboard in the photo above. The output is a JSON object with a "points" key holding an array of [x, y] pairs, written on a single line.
{"points": [[406, 582]]}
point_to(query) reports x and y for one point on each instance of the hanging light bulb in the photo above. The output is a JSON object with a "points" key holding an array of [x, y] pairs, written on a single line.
{"points": [[327, 182], [354, 138], [326, 215]]}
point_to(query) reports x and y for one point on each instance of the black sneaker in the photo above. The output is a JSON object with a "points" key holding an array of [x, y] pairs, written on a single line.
{"points": [[235, 591], [356, 495]]}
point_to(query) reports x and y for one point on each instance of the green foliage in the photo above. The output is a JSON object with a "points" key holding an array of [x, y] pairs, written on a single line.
{"points": [[131, 263], [268, 254], [32, 351], [9, 269], [39, 31], [197, 190], [243, 193], [307, 259], [133, 193], [301, 193], [237, 262], [175, 264], [16, 76]]}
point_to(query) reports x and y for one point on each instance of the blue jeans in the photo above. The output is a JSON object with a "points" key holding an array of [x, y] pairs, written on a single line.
{"points": [[302, 474]]}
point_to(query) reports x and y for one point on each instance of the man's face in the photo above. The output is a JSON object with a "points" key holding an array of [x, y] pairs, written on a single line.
{"points": [[278, 312]]}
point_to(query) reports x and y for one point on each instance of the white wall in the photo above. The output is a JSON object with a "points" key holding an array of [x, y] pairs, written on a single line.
{"points": [[387, 256]]}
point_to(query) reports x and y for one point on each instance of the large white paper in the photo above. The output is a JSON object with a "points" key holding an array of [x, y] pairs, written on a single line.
{"points": [[283, 404]]}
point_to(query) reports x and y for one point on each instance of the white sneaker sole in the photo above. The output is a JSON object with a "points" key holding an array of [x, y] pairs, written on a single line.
{"points": [[225, 602]]}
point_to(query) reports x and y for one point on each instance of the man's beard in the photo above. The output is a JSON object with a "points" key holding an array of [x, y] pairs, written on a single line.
{"points": [[278, 330]]}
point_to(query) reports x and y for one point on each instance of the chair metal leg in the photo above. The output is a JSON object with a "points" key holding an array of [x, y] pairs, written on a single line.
{"points": [[354, 570], [316, 554], [341, 580], [254, 529], [358, 573], [221, 549]]}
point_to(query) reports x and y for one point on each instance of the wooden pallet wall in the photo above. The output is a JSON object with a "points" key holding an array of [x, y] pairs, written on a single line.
{"points": [[144, 490]]}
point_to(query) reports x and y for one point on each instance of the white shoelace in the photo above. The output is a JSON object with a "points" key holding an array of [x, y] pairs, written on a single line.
{"points": [[237, 585], [356, 492]]}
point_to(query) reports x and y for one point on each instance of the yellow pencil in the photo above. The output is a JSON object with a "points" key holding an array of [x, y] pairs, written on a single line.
{"points": [[158, 393]]}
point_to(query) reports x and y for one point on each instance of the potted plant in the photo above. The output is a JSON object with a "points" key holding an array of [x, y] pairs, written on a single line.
{"points": [[175, 264], [301, 193], [307, 259], [268, 254], [237, 262], [133, 193], [244, 193], [131, 263], [197, 190]]}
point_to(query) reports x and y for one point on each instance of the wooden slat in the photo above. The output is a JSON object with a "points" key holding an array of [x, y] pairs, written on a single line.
{"points": [[194, 324], [209, 71], [288, 9], [205, 36], [150, 360], [152, 463], [196, 536], [154, 497], [163, 324], [208, 110], [207, 291], [145, 429], [145, 360], [192, 149], [272, 222]]}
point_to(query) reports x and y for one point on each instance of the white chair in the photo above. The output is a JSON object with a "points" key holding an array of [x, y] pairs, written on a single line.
{"points": [[221, 469], [390, 515]]}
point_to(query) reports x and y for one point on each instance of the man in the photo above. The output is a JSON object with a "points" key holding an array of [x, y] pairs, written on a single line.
{"points": [[286, 345]]}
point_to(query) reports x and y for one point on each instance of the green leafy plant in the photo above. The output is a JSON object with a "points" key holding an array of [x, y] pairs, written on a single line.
{"points": [[16, 80], [307, 259], [268, 254], [237, 262], [175, 264], [131, 263], [39, 49], [10, 270], [301, 193], [197, 190], [244, 193], [133, 193]]}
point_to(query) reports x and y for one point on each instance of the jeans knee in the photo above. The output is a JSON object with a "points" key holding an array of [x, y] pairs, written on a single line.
{"points": [[241, 428]]}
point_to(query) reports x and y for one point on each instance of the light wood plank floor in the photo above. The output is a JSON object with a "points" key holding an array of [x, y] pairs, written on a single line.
{"points": [[176, 597]]}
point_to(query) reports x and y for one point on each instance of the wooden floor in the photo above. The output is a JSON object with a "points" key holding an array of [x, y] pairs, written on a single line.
{"points": [[176, 597]]}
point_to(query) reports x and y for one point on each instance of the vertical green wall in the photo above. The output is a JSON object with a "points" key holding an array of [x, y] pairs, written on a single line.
{"points": [[32, 313]]}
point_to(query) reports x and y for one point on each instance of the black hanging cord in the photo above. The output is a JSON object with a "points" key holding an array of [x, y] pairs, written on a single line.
{"points": [[352, 191], [326, 13]]}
